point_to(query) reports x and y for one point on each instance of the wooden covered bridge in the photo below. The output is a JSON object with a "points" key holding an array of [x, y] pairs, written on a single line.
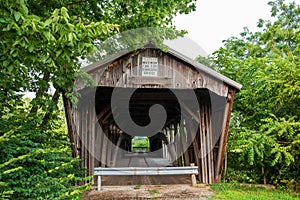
{"points": [[193, 131]]}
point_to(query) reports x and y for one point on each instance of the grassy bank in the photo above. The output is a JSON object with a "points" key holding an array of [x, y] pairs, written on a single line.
{"points": [[242, 192]]}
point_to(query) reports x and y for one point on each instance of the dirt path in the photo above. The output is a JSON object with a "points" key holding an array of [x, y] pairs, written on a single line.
{"points": [[150, 192]]}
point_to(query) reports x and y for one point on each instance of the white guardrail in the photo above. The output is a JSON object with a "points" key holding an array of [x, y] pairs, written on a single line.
{"points": [[132, 171]]}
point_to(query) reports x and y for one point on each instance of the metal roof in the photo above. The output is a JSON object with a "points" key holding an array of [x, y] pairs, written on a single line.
{"points": [[103, 63], [205, 69]]}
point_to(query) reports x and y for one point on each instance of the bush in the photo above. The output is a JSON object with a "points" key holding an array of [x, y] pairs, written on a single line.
{"points": [[36, 164]]}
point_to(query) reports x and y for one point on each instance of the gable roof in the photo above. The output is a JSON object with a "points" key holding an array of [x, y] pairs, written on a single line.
{"points": [[197, 65]]}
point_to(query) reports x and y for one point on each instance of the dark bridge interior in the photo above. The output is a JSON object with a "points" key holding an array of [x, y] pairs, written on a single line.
{"points": [[143, 99]]}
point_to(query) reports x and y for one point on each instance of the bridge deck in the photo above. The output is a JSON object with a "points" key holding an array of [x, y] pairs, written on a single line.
{"points": [[140, 160]]}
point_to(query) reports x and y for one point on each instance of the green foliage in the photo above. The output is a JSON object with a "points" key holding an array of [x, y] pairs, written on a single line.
{"points": [[239, 192], [138, 186], [207, 61], [140, 143], [239, 175], [153, 191], [36, 164], [265, 123], [41, 44]]}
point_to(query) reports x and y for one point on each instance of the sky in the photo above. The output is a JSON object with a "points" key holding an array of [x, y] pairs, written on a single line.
{"points": [[217, 20]]}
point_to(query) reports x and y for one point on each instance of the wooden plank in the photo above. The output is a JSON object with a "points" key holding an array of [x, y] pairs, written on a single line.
{"points": [[167, 154], [124, 162], [195, 145], [203, 146], [143, 80], [157, 162], [208, 143], [185, 146], [138, 162], [190, 112], [97, 144], [109, 147], [104, 147], [108, 114], [181, 139], [101, 143], [103, 112], [212, 176], [119, 138], [223, 139]]}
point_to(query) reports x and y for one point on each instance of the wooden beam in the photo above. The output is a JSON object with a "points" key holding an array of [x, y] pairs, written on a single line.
{"points": [[203, 145], [104, 146], [195, 145], [223, 138], [186, 147], [103, 112], [209, 145], [109, 146], [98, 144], [189, 110], [116, 150]]}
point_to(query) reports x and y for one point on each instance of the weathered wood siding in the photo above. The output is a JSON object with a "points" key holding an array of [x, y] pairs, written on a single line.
{"points": [[172, 73]]}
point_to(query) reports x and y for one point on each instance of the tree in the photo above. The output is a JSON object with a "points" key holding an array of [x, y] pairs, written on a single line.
{"points": [[40, 45], [265, 126]]}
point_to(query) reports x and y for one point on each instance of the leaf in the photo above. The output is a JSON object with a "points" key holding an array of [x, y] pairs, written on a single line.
{"points": [[47, 35], [23, 7], [64, 13], [47, 22], [33, 26], [31, 48], [70, 37], [17, 16], [6, 63], [58, 53]]}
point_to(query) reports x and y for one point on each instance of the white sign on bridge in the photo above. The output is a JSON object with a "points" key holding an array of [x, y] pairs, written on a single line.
{"points": [[149, 66]]}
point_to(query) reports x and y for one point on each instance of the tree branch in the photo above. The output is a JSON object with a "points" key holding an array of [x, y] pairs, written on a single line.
{"points": [[47, 116], [40, 92], [70, 123]]}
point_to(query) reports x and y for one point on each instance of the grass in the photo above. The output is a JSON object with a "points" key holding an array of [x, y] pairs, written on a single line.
{"points": [[153, 191], [237, 192], [138, 186]]}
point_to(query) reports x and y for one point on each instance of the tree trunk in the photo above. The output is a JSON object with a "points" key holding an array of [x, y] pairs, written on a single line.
{"points": [[264, 175], [70, 123]]}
